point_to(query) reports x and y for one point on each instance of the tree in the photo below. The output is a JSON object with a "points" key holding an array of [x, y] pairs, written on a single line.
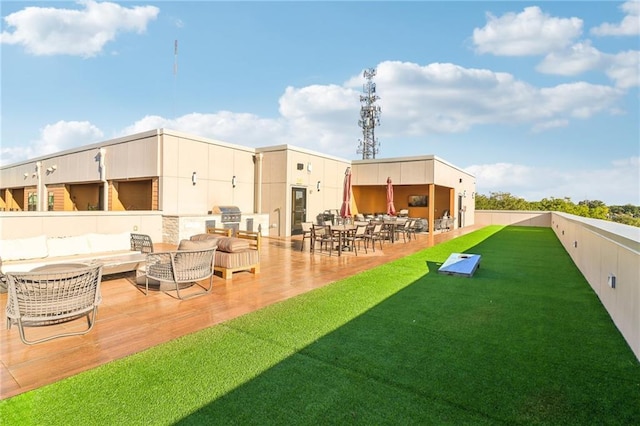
{"points": [[627, 214]]}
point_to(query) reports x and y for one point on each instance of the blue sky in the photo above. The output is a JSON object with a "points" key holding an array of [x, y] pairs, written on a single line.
{"points": [[538, 99]]}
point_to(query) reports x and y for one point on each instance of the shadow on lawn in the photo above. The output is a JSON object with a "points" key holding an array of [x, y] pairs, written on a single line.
{"points": [[512, 344]]}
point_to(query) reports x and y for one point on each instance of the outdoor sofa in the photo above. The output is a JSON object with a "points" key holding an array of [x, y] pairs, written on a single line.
{"points": [[120, 252], [239, 253]]}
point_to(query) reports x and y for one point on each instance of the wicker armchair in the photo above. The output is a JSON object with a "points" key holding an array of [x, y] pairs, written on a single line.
{"points": [[141, 243], [176, 270], [46, 297]]}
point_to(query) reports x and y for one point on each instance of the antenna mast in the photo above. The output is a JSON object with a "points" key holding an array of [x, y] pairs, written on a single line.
{"points": [[368, 146], [175, 74]]}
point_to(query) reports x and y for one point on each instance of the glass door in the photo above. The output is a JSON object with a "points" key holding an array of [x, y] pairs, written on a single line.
{"points": [[298, 209]]}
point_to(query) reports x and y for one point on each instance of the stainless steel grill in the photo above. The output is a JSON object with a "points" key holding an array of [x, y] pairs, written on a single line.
{"points": [[230, 216], [228, 213]]}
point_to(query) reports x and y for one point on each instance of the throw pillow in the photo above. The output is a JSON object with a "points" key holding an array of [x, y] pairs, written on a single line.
{"points": [[198, 244], [233, 245]]}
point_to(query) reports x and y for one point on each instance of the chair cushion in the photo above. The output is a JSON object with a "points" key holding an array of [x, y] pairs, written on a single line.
{"points": [[197, 244], [109, 242], [233, 245], [68, 246], [199, 237], [246, 258], [24, 248]]}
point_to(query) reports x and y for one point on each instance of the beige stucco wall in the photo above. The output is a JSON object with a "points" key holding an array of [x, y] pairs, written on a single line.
{"points": [[168, 160], [281, 174], [601, 249], [415, 173], [64, 224], [509, 217], [215, 163]]}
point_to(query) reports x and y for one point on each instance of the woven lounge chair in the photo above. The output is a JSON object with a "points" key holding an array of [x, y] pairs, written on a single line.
{"points": [[47, 297], [176, 270]]}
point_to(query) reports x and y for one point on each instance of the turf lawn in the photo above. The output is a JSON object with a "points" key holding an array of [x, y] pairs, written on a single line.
{"points": [[525, 341]]}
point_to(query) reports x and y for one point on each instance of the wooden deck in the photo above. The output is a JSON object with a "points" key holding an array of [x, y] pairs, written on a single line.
{"points": [[129, 322]]}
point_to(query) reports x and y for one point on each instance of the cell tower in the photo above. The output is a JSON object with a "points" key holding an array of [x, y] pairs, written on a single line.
{"points": [[369, 117]]}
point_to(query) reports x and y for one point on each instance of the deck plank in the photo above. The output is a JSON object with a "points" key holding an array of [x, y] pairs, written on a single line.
{"points": [[129, 322]]}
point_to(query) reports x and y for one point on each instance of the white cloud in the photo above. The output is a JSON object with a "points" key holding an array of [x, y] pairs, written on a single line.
{"points": [[417, 101], [579, 58], [530, 32], [624, 69], [446, 98], [533, 33], [54, 138], [617, 184], [629, 26], [66, 134], [84, 32], [547, 125], [238, 128], [578, 100]]}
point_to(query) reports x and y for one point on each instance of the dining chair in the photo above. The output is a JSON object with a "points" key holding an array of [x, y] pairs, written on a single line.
{"points": [[306, 233], [359, 235], [406, 229], [322, 234], [374, 233]]}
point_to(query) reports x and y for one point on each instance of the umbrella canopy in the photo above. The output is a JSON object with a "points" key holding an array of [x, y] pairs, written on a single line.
{"points": [[345, 210], [391, 209]]}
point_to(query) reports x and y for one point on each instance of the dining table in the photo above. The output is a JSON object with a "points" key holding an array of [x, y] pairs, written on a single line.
{"points": [[342, 232], [390, 227]]}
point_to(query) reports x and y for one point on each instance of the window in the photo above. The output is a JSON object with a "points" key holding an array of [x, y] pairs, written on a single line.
{"points": [[50, 202], [32, 202]]}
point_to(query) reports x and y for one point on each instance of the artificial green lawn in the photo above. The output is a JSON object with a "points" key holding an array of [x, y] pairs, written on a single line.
{"points": [[523, 341]]}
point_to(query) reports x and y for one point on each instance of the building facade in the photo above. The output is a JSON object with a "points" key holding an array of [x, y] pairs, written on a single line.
{"points": [[277, 187]]}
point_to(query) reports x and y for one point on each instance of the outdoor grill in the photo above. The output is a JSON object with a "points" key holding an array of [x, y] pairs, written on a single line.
{"points": [[228, 213], [230, 217]]}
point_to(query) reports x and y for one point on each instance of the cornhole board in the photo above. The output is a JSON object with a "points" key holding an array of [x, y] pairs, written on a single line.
{"points": [[460, 264]]}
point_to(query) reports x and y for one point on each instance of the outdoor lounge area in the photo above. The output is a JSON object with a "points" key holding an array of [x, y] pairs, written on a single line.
{"points": [[390, 341]]}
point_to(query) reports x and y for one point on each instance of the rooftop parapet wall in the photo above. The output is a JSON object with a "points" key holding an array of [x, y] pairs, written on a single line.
{"points": [[513, 217], [15, 225], [606, 253]]}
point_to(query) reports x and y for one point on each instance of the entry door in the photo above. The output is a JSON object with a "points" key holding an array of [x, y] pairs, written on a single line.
{"points": [[460, 212], [298, 210]]}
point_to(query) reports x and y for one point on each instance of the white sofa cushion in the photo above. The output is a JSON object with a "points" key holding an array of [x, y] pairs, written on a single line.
{"points": [[24, 248], [68, 246], [109, 242]]}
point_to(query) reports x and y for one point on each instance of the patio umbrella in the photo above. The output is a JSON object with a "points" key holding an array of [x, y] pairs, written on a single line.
{"points": [[391, 209], [345, 210]]}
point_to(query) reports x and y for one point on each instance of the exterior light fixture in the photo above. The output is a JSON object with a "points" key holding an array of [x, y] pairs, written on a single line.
{"points": [[26, 175], [318, 186], [233, 181], [194, 178]]}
